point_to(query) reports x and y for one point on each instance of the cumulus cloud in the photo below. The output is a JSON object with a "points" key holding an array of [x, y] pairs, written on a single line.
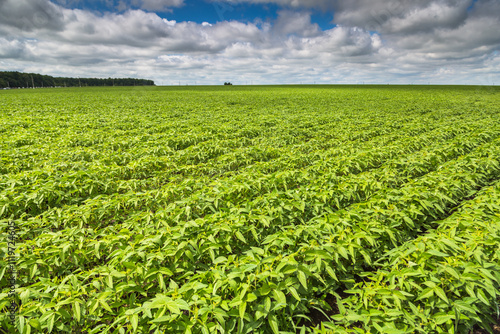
{"points": [[124, 5], [373, 41], [320, 4], [298, 23], [403, 17], [31, 15], [160, 5], [11, 48]]}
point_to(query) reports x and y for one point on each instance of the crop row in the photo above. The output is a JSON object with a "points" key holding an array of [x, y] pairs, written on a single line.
{"points": [[38, 190], [445, 281], [56, 184], [322, 185], [255, 210], [289, 271], [291, 207]]}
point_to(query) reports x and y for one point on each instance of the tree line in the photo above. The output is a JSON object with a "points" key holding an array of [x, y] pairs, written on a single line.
{"points": [[30, 80]]}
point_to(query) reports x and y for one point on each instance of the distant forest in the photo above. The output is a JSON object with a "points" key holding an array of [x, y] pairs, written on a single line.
{"points": [[29, 80]]}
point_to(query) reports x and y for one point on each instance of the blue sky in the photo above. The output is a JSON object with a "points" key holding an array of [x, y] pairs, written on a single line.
{"points": [[200, 11], [255, 41]]}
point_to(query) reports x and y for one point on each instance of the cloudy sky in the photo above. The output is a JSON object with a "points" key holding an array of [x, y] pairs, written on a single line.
{"points": [[255, 41]]}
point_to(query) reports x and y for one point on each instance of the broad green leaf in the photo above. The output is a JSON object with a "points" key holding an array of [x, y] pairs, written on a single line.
{"points": [[331, 272], [240, 236], [436, 253], [452, 272], [105, 305], [242, 309], [279, 296], [51, 320], [134, 320], [302, 279], [427, 293], [482, 297], [441, 318], [76, 308], [273, 322], [464, 306], [441, 294], [294, 293]]}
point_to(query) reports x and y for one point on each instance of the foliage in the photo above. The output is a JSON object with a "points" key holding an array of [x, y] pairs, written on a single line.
{"points": [[30, 80], [265, 210]]}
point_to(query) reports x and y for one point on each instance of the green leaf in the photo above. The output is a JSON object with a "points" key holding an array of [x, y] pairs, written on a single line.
{"points": [[340, 305], [240, 236], [35, 323], [76, 308], [279, 296], [392, 330], [242, 309], [436, 253], [427, 293], [251, 297], [294, 293], [441, 318], [173, 307], [33, 271], [134, 320], [343, 252], [50, 326], [487, 273], [302, 279], [470, 290], [482, 297], [457, 319], [165, 318], [220, 259], [265, 289], [267, 304], [21, 324], [441, 294], [274, 324], [464, 306], [331, 272], [105, 305], [452, 272]]}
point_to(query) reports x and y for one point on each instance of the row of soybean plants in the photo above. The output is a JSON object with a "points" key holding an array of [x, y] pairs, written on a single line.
{"points": [[98, 234], [344, 160], [31, 194], [117, 157], [62, 179], [194, 251], [312, 192], [294, 268], [445, 281]]}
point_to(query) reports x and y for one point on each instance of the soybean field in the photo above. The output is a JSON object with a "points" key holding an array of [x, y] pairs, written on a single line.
{"points": [[251, 209]]}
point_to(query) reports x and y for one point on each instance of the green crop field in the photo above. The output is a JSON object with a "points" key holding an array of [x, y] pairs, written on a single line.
{"points": [[260, 209]]}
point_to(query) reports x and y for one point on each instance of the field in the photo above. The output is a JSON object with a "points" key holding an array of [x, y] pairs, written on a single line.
{"points": [[286, 209]]}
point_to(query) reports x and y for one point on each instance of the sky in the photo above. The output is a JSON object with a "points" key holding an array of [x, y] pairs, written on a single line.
{"points": [[209, 42]]}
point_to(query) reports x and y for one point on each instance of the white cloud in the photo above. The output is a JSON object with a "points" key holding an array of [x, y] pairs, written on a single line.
{"points": [[12, 48], [160, 5], [170, 23], [321, 4], [417, 41], [124, 5], [28, 16], [297, 23], [434, 15]]}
